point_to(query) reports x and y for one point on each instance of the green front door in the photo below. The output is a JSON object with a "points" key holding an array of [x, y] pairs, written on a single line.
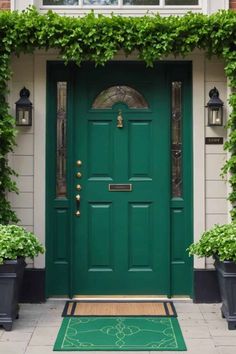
{"points": [[122, 237], [125, 227]]}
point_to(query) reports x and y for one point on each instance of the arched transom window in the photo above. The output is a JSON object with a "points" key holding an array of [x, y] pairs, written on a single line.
{"points": [[119, 94]]}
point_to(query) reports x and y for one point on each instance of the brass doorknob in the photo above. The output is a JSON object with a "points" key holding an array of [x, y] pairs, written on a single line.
{"points": [[78, 187], [79, 162], [77, 197], [78, 174], [77, 213]]}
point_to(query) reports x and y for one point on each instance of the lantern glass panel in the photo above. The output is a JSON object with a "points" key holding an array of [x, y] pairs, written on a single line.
{"points": [[215, 116], [23, 116]]}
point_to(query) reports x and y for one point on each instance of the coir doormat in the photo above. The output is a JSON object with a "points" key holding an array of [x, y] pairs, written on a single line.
{"points": [[120, 334], [119, 308]]}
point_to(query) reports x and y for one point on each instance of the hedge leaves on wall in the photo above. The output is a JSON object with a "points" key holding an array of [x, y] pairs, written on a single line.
{"points": [[98, 39]]}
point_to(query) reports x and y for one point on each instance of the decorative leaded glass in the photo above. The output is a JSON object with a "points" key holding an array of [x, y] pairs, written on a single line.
{"points": [[176, 139], [61, 139], [115, 94]]}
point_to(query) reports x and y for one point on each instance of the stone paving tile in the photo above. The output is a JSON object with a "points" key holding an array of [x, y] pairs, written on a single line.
{"points": [[204, 346], [212, 315], [13, 347], [225, 341], [16, 336], [50, 319], [47, 350], [44, 336], [186, 308], [24, 326], [226, 350], [191, 322], [190, 316], [209, 307], [221, 330], [197, 332]]}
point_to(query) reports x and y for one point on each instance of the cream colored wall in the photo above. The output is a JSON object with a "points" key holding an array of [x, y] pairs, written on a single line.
{"points": [[23, 158], [216, 187], [210, 205]]}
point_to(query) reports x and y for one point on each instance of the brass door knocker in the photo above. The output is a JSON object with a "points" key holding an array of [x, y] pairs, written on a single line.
{"points": [[120, 120]]}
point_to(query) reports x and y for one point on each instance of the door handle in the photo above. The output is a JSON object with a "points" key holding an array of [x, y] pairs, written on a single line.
{"points": [[77, 198]]}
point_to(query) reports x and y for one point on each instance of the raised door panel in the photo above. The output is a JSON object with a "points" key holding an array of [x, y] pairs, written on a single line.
{"points": [[140, 150], [140, 237], [100, 243], [100, 150]]}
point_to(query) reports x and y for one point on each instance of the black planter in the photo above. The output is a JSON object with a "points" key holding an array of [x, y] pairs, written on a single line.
{"points": [[11, 274], [226, 272]]}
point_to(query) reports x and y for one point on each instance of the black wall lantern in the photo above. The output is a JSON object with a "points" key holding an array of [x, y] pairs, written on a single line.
{"points": [[215, 108], [24, 109]]}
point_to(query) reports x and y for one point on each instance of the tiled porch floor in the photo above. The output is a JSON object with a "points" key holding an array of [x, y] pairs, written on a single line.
{"points": [[205, 332]]}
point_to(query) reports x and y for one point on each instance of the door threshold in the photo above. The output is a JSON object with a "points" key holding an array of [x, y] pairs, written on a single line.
{"points": [[131, 297]]}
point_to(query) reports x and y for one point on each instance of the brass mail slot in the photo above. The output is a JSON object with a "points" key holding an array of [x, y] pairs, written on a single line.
{"points": [[120, 187]]}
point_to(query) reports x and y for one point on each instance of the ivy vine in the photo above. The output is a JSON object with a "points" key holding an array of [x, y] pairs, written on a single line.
{"points": [[98, 39]]}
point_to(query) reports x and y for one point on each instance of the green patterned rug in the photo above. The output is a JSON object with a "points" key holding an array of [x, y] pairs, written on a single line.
{"points": [[119, 333]]}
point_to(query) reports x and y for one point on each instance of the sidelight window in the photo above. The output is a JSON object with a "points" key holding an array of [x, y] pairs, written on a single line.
{"points": [[176, 127], [61, 139]]}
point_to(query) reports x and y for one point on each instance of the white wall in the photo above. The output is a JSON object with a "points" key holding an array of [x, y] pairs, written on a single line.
{"points": [[210, 190]]}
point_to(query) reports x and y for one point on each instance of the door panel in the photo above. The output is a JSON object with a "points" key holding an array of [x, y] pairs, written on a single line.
{"points": [[140, 165], [100, 143], [118, 243], [140, 220], [100, 243]]}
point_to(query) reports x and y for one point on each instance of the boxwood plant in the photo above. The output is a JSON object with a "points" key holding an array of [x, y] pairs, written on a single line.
{"points": [[219, 241], [16, 242]]}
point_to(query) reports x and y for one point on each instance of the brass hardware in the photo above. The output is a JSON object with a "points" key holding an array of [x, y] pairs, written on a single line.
{"points": [[78, 174], [119, 120], [79, 163], [77, 213], [77, 197], [78, 187], [120, 187]]}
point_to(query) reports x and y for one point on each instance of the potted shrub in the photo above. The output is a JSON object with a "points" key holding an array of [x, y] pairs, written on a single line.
{"points": [[15, 244], [220, 243]]}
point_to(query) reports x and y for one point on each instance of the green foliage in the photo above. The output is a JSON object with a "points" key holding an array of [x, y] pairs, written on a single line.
{"points": [[98, 39], [219, 241], [16, 242]]}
